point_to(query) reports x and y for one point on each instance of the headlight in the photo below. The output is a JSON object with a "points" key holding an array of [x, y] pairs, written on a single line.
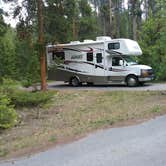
{"points": [[144, 73]]}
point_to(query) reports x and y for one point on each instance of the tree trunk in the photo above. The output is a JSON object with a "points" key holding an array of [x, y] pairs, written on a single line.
{"points": [[74, 29], [118, 6], [146, 9], [134, 18], [151, 6], [104, 26], [41, 46], [111, 25], [139, 16], [134, 27]]}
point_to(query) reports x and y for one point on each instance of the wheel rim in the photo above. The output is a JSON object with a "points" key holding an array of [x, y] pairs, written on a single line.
{"points": [[74, 82], [132, 81]]}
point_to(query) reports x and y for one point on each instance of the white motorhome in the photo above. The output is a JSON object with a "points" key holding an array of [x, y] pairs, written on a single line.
{"points": [[103, 61]]}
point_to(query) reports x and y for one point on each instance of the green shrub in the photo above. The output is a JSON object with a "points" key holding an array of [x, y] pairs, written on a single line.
{"points": [[161, 74], [30, 99], [8, 81], [7, 86], [8, 116], [26, 83]]}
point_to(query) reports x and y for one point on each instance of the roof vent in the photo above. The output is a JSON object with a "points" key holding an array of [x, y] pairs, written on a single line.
{"points": [[74, 42], [103, 38], [88, 41]]}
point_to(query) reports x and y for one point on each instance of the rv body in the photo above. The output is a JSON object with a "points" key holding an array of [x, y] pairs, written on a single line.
{"points": [[103, 61]]}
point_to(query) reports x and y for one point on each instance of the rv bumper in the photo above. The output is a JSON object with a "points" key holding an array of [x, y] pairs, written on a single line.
{"points": [[144, 79], [146, 75]]}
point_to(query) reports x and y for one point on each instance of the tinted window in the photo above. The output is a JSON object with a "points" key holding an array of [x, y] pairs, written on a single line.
{"points": [[113, 46], [116, 61], [90, 56], [99, 57], [58, 54]]}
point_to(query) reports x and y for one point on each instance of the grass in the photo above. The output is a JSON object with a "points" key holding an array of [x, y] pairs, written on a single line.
{"points": [[3, 152], [76, 113]]}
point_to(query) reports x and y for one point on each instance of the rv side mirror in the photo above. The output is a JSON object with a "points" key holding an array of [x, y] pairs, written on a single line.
{"points": [[125, 63], [121, 62]]}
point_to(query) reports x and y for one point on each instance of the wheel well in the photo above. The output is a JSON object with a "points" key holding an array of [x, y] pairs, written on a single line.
{"points": [[130, 76]]}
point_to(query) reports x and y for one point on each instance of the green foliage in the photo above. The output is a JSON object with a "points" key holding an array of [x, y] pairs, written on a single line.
{"points": [[161, 74], [27, 62], [3, 152], [7, 54], [66, 20], [20, 98], [26, 83], [8, 116], [152, 40], [155, 109], [85, 9], [69, 20], [87, 28], [55, 23], [30, 99], [3, 26], [7, 86]]}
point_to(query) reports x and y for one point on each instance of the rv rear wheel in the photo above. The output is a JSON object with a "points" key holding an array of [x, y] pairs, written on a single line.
{"points": [[74, 81], [132, 81]]}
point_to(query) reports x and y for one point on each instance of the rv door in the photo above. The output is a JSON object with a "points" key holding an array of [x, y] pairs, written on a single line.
{"points": [[99, 65], [118, 70]]}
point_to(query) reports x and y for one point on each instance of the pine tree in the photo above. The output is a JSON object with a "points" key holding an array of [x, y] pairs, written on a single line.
{"points": [[7, 51], [153, 39]]}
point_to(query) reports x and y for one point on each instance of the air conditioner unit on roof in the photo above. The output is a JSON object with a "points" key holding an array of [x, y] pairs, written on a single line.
{"points": [[103, 38]]}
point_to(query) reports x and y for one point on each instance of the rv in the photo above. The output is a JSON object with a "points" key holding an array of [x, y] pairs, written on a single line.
{"points": [[103, 61]]}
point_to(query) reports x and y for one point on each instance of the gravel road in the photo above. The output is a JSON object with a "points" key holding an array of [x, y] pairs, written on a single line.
{"points": [[139, 145], [148, 86]]}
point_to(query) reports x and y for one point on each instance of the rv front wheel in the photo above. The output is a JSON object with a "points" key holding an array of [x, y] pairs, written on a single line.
{"points": [[74, 81], [132, 81], [90, 83]]}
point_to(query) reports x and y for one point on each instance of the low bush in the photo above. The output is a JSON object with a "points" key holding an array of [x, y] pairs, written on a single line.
{"points": [[7, 86], [26, 83], [8, 116], [30, 99]]}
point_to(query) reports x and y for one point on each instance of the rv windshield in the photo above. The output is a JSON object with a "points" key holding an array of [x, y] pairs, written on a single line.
{"points": [[130, 60]]}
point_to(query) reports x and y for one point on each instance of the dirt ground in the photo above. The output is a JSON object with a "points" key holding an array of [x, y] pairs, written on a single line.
{"points": [[73, 114]]}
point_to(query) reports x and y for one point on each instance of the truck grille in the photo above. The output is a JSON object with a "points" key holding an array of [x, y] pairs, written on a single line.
{"points": [[150, 72]]}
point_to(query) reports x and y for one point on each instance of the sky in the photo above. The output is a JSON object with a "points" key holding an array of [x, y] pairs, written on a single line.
{"points": [[8, 7]]}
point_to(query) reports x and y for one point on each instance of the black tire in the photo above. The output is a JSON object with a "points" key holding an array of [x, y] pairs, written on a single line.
{"points": [[132, 81], [141, 83], [74, 81], [90, 83]]}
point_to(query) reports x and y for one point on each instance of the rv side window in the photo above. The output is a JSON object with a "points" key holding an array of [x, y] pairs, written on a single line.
{"points": [[58, 54], [114, 46], [90, 56], [99, 57]]}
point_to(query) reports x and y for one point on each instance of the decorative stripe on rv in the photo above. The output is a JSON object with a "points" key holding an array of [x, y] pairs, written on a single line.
{"points": [[60, 49], [113, 52], [96, 65], [74, 70], [116, 70], [100, 66], [78, 50]]}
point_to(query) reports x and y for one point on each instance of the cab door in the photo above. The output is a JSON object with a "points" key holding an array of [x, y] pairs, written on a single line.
{"points": [[118, 70]]}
